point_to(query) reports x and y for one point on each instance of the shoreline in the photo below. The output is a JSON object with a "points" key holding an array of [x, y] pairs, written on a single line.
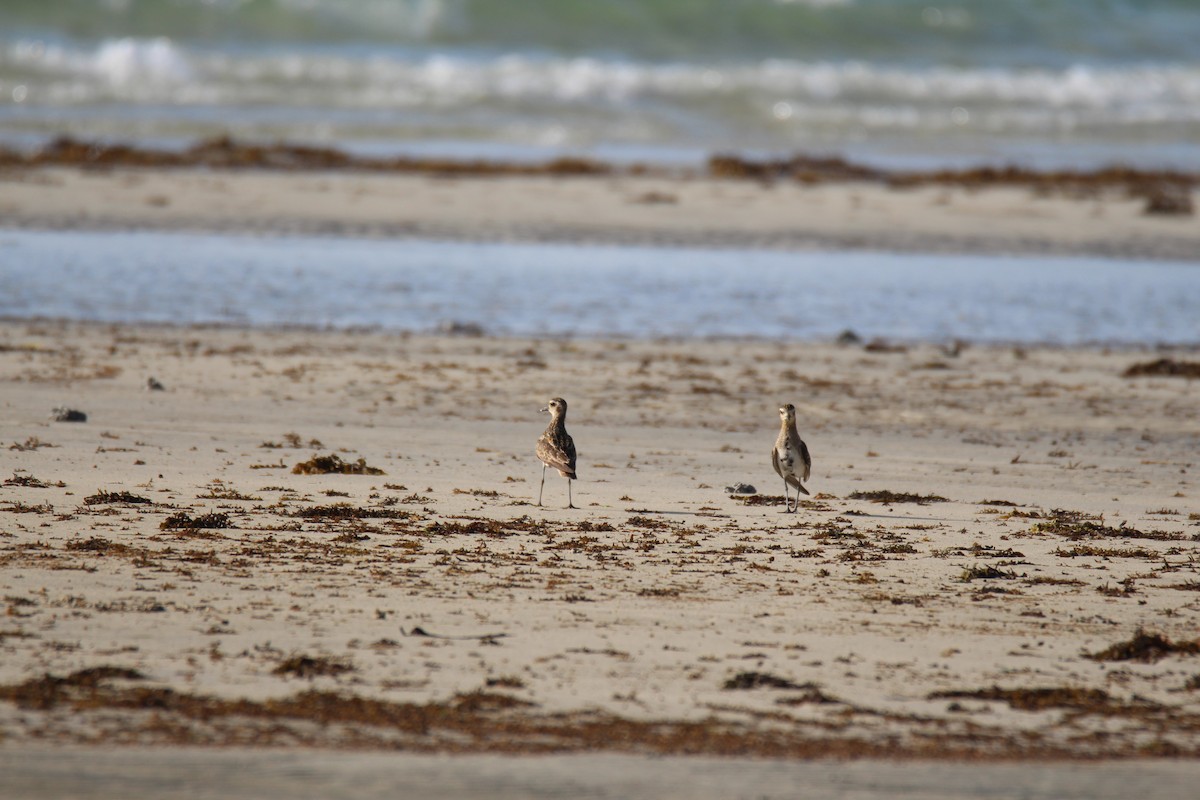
{"points": [[182, 772], [849, 339]]}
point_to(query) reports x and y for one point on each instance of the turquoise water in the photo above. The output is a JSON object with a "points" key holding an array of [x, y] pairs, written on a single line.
{"points": [[556, 290], [1076, 82]]}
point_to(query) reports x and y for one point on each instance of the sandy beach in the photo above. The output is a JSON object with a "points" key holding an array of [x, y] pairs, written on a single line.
{"points": [[997, 560], [284, 289], [696, 210]]}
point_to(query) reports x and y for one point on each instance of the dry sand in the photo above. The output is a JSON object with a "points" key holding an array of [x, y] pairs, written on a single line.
{"points": [[697, 211], [663, 616]]}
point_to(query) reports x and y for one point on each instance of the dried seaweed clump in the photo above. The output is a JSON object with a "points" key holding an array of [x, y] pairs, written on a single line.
{"points": [[31, 482], [102, 497], [889, 497], [1147, 648], [332, 464], [480, 701], [806, 169], [224, 152], [99, 545], [183, 521], [48, 691], [986, 572], [1076, 525], [761, 499], [312, 667], [1037, 699], [347, 511], [1171, 199], [759, 680], [1167, 367]]}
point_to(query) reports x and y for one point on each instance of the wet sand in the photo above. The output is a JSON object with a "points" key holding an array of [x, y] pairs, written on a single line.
{"points": [[96, 773], [989, 530]]}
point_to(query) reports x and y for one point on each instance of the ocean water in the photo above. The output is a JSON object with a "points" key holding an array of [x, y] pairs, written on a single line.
{"points": [[565, 290], [893, 82]]}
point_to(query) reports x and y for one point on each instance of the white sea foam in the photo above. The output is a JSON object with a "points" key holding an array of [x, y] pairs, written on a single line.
{"points": [[153, 69], [582, 100], [131, 61]]}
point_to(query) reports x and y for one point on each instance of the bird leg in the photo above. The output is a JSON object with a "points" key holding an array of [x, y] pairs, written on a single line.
{"points": [[787, 505], [543, 486], [570, 502]]}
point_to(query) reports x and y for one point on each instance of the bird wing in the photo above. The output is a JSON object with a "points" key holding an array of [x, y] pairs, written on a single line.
{"points": [[559, 455], [569, 450], [806, 458], [788, 477]]}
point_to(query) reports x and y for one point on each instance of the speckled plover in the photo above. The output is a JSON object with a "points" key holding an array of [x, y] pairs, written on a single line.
{"points": [[555, 447], [790, 456]]}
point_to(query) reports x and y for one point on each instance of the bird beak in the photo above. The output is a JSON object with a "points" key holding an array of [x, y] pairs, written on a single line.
{"points": [[544, 409]]}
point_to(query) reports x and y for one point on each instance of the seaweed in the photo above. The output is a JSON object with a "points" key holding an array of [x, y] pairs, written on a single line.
{"points": [[978, 551], [1146, 648], [31, 443], [17, 507], [1076, 525], [649, 523], [760, 680], [801, 168], [481, 701], [491, 527], [488, 493], [1168, 199], [107, 498], [760, 499], [312, 667], [223, 152], [1106, 552], [220, 493], [1039, 699], [986, 572], [183, 521], [811, 694], [48, 691], [31, 482], [1163, 367], [332, 464], [889, 497], [486, 722], [100, 546], [347, 511]]}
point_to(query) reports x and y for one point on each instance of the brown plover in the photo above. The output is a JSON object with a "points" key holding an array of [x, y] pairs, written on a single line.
{"points": [[555, 447], [790, 457]]}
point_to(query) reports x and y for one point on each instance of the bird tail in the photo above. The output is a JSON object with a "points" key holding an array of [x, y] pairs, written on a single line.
{"points": [[794, 482], [568, 474]]}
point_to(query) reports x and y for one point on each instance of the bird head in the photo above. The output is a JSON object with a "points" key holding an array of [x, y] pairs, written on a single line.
{"points": [[557, 407]]}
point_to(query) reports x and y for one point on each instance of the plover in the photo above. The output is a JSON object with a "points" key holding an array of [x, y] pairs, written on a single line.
{"points": [[555, 447], [790, 457]]}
